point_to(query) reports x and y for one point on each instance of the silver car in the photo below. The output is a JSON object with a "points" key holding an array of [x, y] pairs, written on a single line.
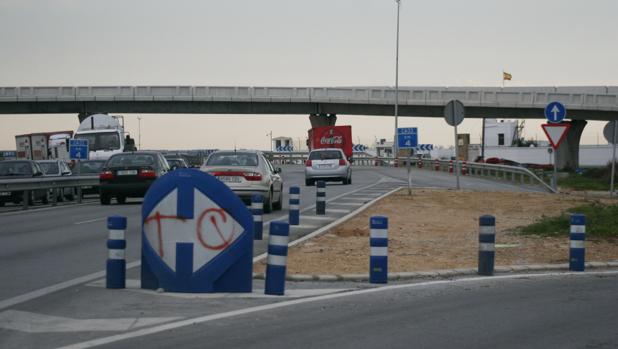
{"points": [[247, 172], [57, 168], [328, 164]]}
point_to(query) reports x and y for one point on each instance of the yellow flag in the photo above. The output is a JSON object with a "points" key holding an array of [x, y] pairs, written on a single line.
{"points": [[506, 76]]}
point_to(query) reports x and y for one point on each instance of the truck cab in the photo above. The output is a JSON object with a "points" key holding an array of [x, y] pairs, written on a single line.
{"points": [[105, 135]]}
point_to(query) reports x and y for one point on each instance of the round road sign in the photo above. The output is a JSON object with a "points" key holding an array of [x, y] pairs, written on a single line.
{"points": [[608, 132], [454, 112]]}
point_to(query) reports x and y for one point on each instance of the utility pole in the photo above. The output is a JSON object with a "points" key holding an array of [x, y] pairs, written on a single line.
{"points": [[395, 145]]}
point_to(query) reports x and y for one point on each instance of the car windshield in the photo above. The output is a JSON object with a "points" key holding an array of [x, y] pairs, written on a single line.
{"points": [[176, 162], [233, 159], [325, 155], [90, 166], [49, 167], [122, 160], [15, 169], [101, 141]]}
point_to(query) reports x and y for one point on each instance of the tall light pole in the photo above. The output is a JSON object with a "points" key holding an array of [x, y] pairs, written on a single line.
{"points": [[395, 145], [139, 132]]}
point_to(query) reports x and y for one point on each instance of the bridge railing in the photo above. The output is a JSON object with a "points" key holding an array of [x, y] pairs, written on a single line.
{"points": [[593, 98], [50, 183]]}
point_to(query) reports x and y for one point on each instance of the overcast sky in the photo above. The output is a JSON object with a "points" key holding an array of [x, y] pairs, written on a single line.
{"points": [[299, 43]]}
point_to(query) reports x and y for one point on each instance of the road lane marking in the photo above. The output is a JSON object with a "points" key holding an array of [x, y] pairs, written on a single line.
{"points": [[91, 221], [283, 304], [318, 218], [25, 321], [347, 203], [57, 287]]}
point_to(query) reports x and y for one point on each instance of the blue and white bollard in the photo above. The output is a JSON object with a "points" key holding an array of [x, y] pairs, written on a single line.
{"points": [[294, 218], [277, 258], [378, 242], [487, 245], [320, 204], [577, 250], [257, 209], [115, 271]]}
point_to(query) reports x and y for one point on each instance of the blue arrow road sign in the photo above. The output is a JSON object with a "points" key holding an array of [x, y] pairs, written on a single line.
{"points": [[407, 138], [555, 112], [78, 149]]}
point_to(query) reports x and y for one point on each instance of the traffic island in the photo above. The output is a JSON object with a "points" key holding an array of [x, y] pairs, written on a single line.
{"points": [[437, 230]]}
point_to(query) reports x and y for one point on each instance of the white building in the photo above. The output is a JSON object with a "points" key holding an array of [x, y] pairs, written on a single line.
{"points": [[500, 132]]}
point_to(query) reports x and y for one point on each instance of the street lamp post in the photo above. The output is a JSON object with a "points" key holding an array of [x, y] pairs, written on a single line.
{"points": [[395, 145], [139, 132]]}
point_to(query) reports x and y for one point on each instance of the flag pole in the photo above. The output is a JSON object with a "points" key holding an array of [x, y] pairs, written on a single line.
{"points": [[503, 78]]}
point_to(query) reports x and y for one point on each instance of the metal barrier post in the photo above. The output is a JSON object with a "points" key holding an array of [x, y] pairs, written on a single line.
{"points": [[487, 245], [257, 209], [277, 258], [577, 250], [464, 168], [115, 272], [450, 166], [25, 197], [378, 242], [294, 218], [320, 205]]}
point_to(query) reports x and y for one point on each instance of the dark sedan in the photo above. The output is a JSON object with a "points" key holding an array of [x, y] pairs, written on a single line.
{"points": [[130, 175], [88, 168], [20, 169]]}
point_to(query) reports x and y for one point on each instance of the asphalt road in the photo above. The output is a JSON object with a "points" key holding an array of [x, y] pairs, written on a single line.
{"points": [[46, 246], [523, 312]]}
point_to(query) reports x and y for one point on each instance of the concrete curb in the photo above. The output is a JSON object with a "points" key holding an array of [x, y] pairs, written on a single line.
{"points": [[440, 274]]}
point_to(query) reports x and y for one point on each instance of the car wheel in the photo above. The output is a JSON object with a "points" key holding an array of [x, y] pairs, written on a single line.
{"points": [[105, 199], [45, 199], [31, 198], [344, 181], [308, 182], [268, 202], [121, 199], [71, 196], [350, 179], [277, 205]]}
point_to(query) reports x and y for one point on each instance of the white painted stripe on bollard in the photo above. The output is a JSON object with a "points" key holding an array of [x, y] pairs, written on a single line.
{"points": [[321, 190], [277, 240], [379, 233], [379, 251], [294, 207], [116, 254], [321, 198], [257, 218], [487, 247], [487, 230], [115, 234], [257, 205], [295, 196], [276, 260], [578, 229], [578, 244]]}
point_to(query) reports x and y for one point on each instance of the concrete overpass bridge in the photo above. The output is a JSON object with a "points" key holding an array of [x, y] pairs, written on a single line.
{"points": [[583, 103]]}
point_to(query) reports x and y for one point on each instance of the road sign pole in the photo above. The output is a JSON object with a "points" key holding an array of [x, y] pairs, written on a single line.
{"points": [[611, 186], [456, 155], [410, 173], [555, 181]]}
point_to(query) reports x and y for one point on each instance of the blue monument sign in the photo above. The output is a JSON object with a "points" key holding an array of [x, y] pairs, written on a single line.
{"points": [[78, 149], [197, 236], [407, 138]]}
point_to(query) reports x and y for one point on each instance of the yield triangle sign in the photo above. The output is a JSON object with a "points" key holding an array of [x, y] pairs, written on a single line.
{"points": [[555, 133]]}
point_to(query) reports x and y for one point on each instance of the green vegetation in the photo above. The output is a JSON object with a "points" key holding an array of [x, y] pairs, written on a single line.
{"points": [[601, 222], [588, 179]]}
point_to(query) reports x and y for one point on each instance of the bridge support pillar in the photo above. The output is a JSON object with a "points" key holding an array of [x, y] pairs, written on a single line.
{"points": [[568, 151], [320, 120]]}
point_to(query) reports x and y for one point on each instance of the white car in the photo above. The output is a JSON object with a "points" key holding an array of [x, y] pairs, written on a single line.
{"points": [[247, 172], [328, 164]]}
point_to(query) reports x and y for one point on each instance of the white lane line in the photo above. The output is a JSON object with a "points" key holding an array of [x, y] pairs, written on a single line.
{"points": [[318, 218], [302, 226], [43, 209], [360, 198], [337, 210], [25, 321], [91, 221], [239, 312], [57, 287], [347, 203]]}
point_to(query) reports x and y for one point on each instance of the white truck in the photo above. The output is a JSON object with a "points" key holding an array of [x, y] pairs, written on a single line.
{"points": [[105, 134], [43, 145]]}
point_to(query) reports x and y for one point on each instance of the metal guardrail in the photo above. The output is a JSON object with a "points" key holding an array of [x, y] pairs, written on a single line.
{"points": [[499, 172], [45, 183]]}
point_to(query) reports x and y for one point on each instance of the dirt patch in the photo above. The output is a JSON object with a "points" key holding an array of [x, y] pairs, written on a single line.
{"points": [[438, 229]]}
